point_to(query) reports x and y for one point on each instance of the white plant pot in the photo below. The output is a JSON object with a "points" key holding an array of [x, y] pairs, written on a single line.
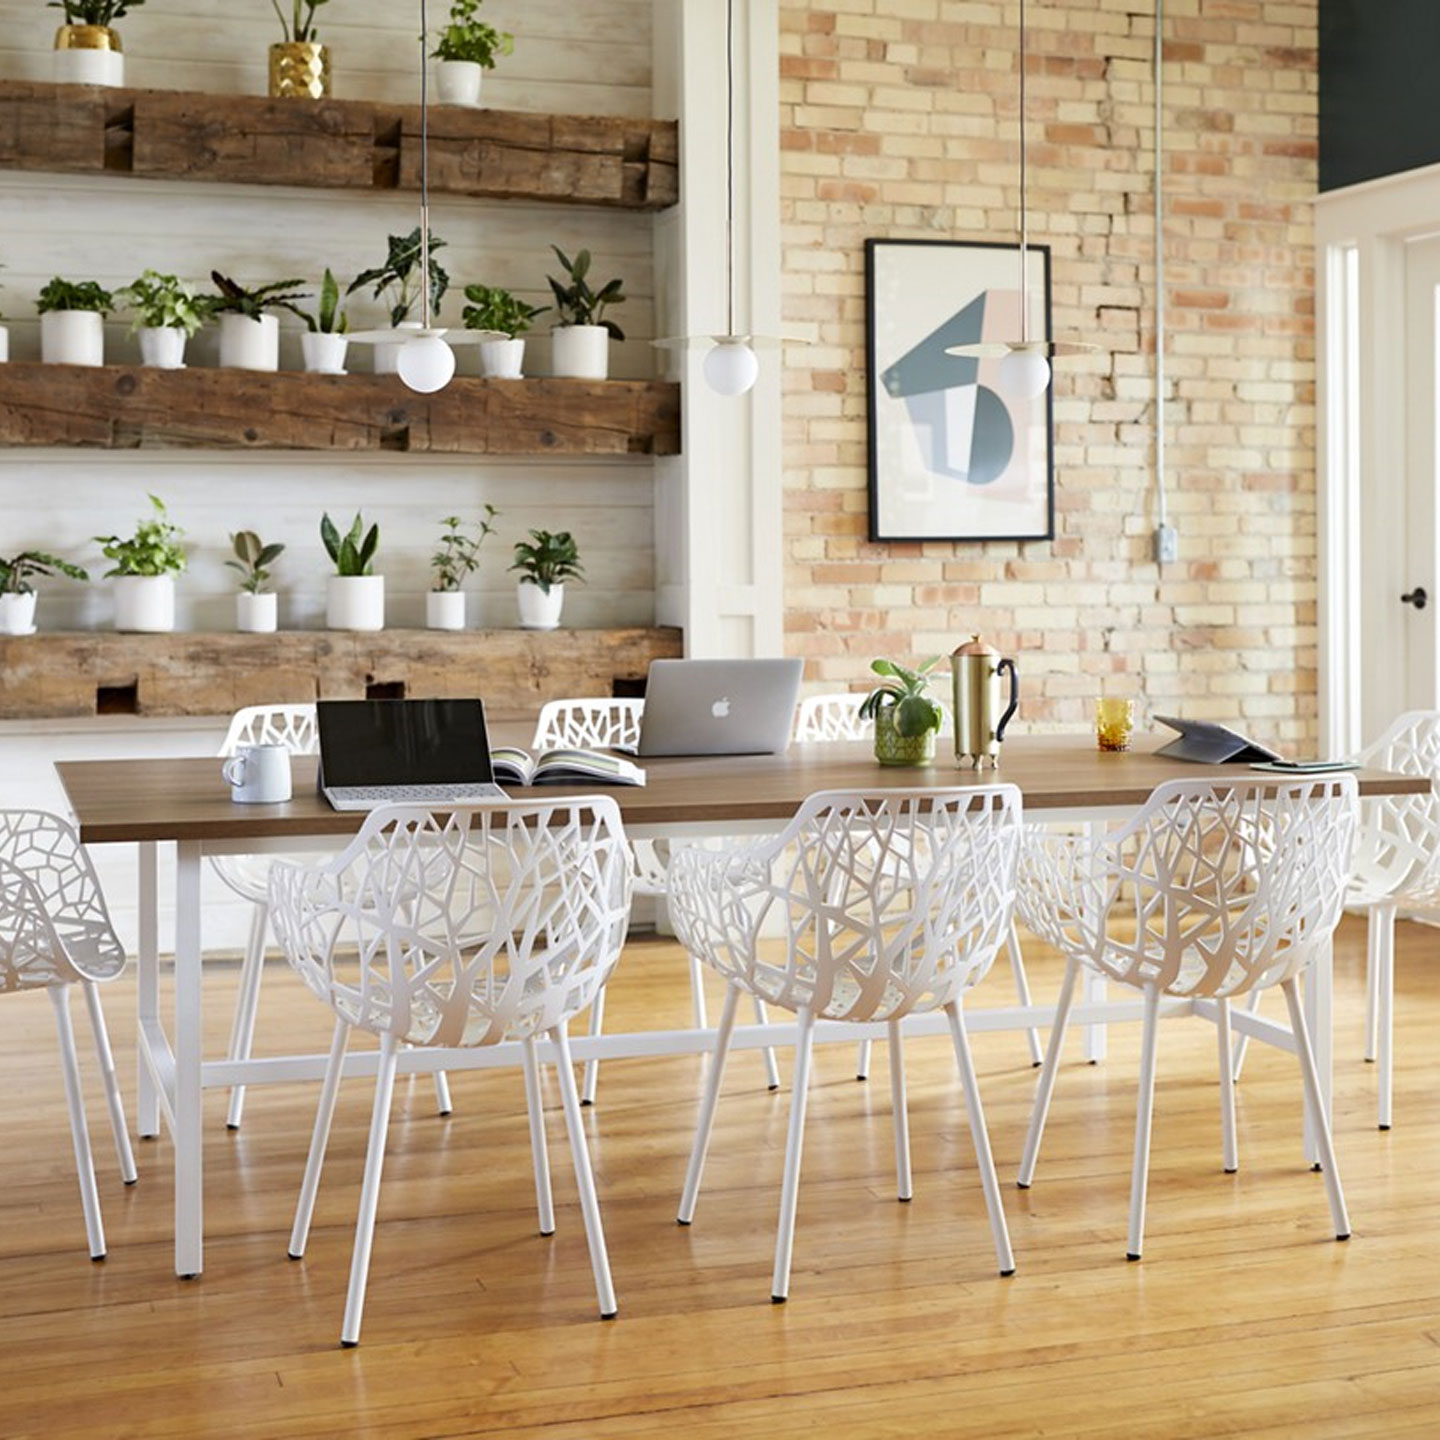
{"points": [[247, 344], [323, 354], [457, 82], [502, 359], [17, 613], [581, 352], [162, 346], [77, 62], [445, 609], [355, 602], [72, 337], [145, 603], [539, 610], [387, 352], [256, 614], [4, 344]]}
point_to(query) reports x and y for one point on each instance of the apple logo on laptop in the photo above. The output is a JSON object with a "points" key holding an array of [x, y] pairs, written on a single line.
{"points": [[721, 708]]}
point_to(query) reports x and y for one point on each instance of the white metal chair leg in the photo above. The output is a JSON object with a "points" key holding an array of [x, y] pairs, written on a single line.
{"points": [[584, 1176], [1144, 1111], [790, 1186], [1323, 1138], [539, 1150], [1229, 1151], [1382, 967], [862, 1060], [1242, 1045], [772, 1069], [319, 1138], [79, 1131], [247, 1002], [370, 1191], [705, 1121], [443, 1105], [592, 1067], [697, 995], [901, 1111], [1372, 980], [123, 1153], [1046, 1087], [1022, 993]]}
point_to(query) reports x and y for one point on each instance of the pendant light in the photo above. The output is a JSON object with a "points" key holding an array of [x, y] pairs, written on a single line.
{"points": [[426, 362], [1024, 363]]}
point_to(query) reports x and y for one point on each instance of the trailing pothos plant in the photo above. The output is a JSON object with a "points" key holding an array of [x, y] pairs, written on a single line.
{"points": [[252, 555], [300, 28], [154, 548], [94, 12], [398, 279], [235, 299], [61, 294], [903, 693], [328, 318], [350, 553], [576, 303], [457, 553], [17, 572]]}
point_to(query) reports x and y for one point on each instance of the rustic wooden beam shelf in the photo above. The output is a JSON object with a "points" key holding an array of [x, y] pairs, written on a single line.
{"points": [[118, 407], [339, 144], [82, 673]]}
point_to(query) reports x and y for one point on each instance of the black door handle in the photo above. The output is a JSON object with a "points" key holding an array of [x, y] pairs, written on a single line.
{"points": [[1416, 597]]}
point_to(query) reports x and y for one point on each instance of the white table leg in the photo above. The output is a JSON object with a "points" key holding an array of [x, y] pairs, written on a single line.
{"points": [[1319, 983], [147, 973], [189, 1050]]}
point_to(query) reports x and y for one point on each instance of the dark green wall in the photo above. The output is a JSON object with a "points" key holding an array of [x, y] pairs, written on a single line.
{"points": [[1379, 88]]}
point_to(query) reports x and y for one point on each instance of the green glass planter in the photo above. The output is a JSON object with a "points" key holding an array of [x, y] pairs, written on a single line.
{"points": [[893, 748]]}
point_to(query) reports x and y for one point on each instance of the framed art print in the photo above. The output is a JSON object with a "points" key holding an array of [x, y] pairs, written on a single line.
{"points": [[952, 456]]}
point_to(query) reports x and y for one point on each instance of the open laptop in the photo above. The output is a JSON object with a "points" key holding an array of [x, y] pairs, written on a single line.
{"points": [[719, 707], [1209, 743], [404, 752]]}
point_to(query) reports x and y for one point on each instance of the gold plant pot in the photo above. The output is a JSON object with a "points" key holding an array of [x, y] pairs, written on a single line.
{"points": [[87, 37], [300, 68]]}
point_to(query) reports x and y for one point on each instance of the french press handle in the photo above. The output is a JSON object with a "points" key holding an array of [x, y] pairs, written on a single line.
{"points": [[1004, 665]]}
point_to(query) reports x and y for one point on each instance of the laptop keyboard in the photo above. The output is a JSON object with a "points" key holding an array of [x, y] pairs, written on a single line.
{"points": [[367, 797]]}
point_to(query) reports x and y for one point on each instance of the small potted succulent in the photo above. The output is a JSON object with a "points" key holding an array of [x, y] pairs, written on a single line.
{"points": [[467, 48], [167, 313], [498, 311], [545, 563], [72, 321], [249, 331], [87, 49], [144, 572], [397, 282], [354, 597], [300, 64], [457, 553], [255, 607], [17, 594], [581, 339], [906, 719], [323, 344]]}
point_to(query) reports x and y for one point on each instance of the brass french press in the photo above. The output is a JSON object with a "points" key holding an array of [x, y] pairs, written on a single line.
{"points": [[975, 671]]}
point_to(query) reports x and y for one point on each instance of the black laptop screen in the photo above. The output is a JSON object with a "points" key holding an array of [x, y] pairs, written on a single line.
{"points": [[403, 742]]}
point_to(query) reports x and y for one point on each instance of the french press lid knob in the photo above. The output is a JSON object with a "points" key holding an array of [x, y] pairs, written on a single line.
{"points": [[976, 647]]}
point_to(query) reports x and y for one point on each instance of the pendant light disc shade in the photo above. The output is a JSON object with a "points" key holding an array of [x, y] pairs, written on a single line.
{"points": [[731, 368], [426, 364]]}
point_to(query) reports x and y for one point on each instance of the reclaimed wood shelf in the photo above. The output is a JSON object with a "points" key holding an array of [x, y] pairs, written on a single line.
{"points": [[338, 144], [82, 673], [122, 407]]}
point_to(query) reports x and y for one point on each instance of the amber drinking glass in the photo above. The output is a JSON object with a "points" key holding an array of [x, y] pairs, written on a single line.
{"points": [[1114, 722]]}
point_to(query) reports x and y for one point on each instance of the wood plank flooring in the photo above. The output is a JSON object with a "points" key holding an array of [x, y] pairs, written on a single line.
{"points": [[1245, 1317]]}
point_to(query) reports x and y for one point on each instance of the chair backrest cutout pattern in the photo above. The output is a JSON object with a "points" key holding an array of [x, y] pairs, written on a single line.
{"points": [[595, 724]]}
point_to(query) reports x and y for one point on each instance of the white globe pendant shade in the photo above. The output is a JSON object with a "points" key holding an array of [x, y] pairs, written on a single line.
{"points": [[426, 364], [1024, 374], [731, 368]]}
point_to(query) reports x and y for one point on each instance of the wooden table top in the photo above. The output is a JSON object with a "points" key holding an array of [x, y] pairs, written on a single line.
{"points": [[134, 800]]}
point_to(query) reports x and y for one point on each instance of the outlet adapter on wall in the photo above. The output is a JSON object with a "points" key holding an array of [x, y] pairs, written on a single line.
{"points": [[1167, 545]]}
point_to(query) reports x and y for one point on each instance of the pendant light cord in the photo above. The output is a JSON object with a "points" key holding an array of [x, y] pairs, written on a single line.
{"points": [[729, 167], [1024, 223], [424, 170], [1160, 507]]}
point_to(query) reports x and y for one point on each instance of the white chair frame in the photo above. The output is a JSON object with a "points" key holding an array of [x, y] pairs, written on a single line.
{"points": [[1217, 915], [55, 932], [457, 929], [891, 904]]}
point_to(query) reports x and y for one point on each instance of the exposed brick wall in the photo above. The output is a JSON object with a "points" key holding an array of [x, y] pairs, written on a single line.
{"points": [[898, 120]]}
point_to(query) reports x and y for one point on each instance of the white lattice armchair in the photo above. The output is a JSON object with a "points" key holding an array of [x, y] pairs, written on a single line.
{"points": [[889, 904], [487, 923], [55, 932], [1207, 913]]}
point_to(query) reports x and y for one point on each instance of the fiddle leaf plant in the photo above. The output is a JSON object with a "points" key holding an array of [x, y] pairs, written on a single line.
{"points": [[17, 572], [352, 552], [237, 299], [61, 294], [252, 555], [458, 553], [300, 28], [903, 690], [493, 308], [467, 37], [547, 559], [578, 304], [328, 318], [398, 279], [154, 548]]}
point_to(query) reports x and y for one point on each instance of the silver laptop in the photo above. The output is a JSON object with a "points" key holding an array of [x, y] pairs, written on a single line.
{"points": [[404, 752], [719, 707]]}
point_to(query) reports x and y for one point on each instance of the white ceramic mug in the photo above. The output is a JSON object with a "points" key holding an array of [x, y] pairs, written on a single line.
{"points": [[258, 774]]}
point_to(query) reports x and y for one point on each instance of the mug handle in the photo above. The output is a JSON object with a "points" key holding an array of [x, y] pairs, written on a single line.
{"points": [[234, 770], [1008, 664]]}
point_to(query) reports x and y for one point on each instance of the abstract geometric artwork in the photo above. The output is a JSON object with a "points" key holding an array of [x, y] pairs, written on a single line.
{"points": [[952, 456]]}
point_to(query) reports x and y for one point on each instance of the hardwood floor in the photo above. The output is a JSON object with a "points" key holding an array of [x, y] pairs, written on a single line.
{"points": [[1245, 1317]]}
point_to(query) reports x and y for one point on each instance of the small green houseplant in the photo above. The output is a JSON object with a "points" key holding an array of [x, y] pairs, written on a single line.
{"points": [[582, 335], [255, 606], [906, 719], [467, 48], [17, 594], [397, 281], [94, 12], [87, 49], [323, 344], [144, 568], [354, 596], [545, 562], [249, 329], [167, 313], [72, 321], [457, 553], [495, 309], [300, 28]]}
